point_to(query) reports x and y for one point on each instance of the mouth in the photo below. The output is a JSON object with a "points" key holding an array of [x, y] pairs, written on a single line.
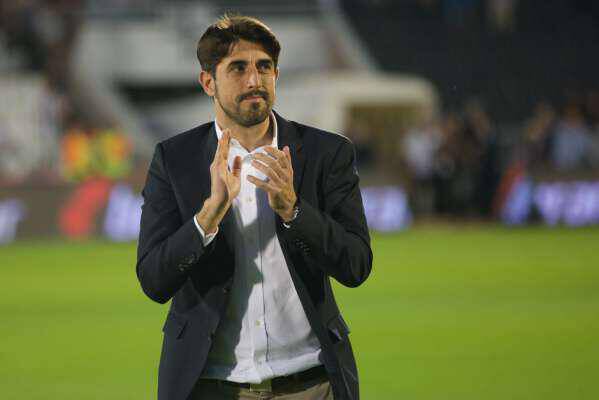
{"points": [[254, 97]]}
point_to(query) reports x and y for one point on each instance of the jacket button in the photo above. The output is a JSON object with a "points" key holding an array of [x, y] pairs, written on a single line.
{"points": [[190, 259]]}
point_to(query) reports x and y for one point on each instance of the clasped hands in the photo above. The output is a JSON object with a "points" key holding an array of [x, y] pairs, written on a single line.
{"points": [[226, 182]]}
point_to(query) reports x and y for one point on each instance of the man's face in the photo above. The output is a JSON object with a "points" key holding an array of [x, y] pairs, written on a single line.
{"points": [[244, 84]]}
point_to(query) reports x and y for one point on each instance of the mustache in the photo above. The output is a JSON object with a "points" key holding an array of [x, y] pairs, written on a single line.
{"points": [[254, 93]]}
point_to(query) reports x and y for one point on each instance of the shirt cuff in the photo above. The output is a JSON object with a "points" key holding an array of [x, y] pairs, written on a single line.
{"points": [[206, 239]]}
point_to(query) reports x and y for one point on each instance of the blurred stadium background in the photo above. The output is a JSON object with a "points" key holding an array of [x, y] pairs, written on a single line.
{"points": [[476, 126]]}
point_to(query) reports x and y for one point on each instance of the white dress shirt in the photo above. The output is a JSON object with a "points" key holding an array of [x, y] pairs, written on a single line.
{"points": [[265, 332]]}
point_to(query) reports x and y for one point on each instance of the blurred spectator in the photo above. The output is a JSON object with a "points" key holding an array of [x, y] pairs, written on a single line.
{"points": [[483, 159], [88, 153], [538, 135], [419, 148], [447, 165], [76, 154], [572, 142], [113, 151], [466, 165]]}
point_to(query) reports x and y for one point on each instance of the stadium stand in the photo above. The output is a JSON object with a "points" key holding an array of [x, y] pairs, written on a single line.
{"points": [[549, 50]]}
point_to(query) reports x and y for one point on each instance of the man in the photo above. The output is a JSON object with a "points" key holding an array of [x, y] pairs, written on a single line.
{"points": [[244, 221]]}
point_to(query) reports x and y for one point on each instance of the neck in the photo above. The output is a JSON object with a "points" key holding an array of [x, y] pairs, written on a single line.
{"points": [[249, 137]]}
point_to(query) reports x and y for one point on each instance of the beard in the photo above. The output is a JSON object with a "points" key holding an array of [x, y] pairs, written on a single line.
{"points": [[254, 115]]}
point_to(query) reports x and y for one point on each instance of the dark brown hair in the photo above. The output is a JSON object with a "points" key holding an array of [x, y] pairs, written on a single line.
{"points": [[216, 43]]}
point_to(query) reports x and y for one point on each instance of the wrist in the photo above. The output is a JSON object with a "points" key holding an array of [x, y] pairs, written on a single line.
{"points": [[289, 213], [289, 218], [207, 226], [210, 215], [216, 207]]}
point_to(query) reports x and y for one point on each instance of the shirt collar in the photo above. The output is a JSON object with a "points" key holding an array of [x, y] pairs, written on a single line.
{"points": [[275, 131]]}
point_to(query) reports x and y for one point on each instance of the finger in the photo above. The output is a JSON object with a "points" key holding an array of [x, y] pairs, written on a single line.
{"points": [[218, 156], [237, 167], [268, 172], [266, 186], [277, 154], [226, 138], [272, 164], [288, 156], [274, 152]]}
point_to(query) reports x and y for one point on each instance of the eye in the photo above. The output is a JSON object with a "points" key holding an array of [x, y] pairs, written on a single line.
{"points": [[265, 67]]}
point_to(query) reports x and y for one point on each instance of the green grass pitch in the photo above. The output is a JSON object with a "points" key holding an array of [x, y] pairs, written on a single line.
{"points": [[448, 313]]}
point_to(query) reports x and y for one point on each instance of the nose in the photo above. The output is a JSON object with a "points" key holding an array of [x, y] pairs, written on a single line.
{"points": [[253, 78]]}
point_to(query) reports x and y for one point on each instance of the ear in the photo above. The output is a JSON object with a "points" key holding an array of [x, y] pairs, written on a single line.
{"points": [[276, 74], [207, 81]]}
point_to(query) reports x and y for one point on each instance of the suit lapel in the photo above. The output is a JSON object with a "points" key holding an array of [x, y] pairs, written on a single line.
{"points": [[289, 136], [207, 155]]}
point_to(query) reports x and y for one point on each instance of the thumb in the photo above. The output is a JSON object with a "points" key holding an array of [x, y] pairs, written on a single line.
{"points": [[237, 167], [287, 153]]}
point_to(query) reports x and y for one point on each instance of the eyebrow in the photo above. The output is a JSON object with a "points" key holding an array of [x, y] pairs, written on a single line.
{"points": [[265, 61], [236, 63]]}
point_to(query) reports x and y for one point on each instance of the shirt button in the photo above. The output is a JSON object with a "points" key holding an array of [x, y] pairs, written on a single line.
{"points": [[258, 322]]}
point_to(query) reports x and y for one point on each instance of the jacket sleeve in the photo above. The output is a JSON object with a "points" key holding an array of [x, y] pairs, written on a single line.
{"points": [[337, 238], [167, 246]]}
